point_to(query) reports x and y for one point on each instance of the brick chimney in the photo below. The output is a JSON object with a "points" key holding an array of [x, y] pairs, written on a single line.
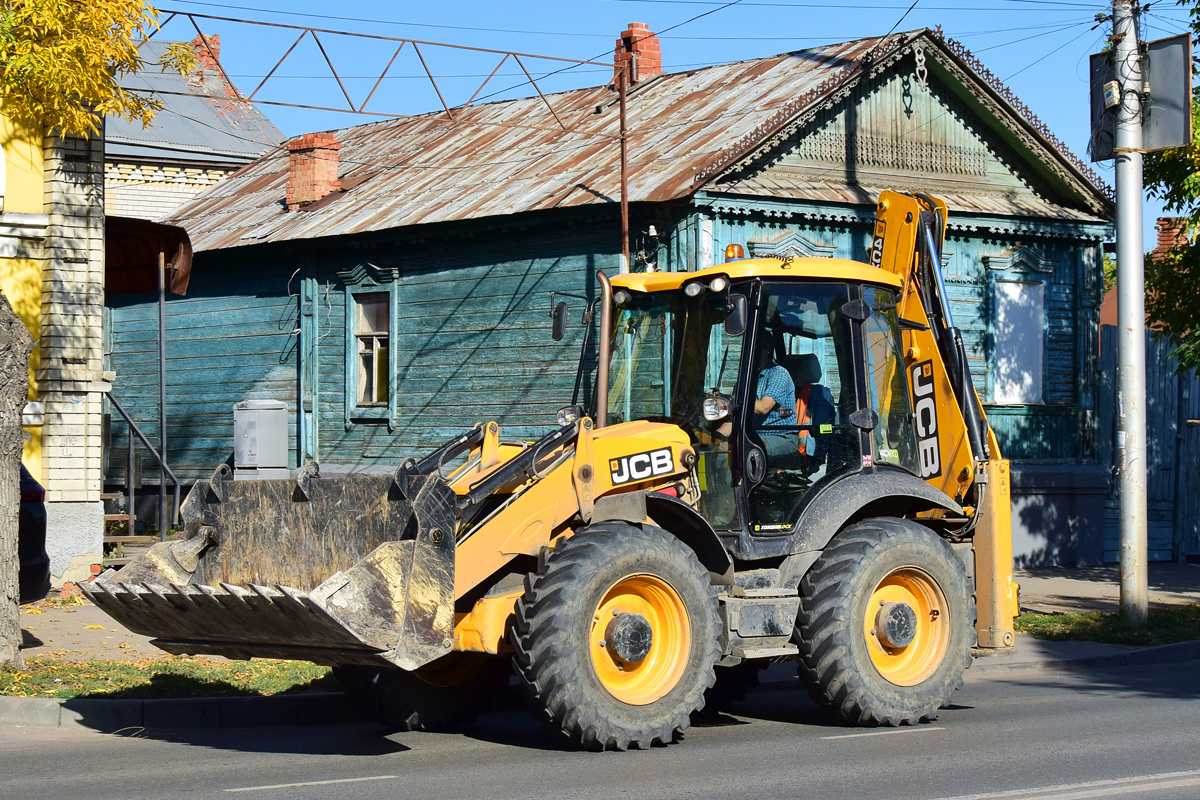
{"points": [[206, 57], [639, 41], [312, 168], [1170, 234]]}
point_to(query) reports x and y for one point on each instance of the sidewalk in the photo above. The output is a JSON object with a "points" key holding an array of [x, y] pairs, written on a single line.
{"points": [[1073, 588]]}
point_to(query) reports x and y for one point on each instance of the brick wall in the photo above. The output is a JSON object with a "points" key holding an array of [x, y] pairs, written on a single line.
{"points": [[70, 372], [151, 191]]}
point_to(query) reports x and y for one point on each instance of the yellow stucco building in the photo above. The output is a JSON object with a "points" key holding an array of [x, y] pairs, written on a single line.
{"points": [[52, 272]]}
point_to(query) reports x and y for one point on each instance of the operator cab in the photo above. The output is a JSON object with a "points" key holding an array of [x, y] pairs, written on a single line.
{"points": [[810, 386]]}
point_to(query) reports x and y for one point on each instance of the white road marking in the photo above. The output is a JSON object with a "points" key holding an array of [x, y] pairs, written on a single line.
{"points": [[888, 732], [1138, 784], [312, 783]]}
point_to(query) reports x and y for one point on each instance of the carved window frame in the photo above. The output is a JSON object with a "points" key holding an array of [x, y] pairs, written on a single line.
{"points": [[1021, 264], [368, 279]]}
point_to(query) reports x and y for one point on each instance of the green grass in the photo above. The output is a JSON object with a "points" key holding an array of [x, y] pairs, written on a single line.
{"points": [[170, 677], [1165, 625]]}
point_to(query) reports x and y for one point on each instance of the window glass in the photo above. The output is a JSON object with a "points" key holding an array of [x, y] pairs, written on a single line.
{"points": [[887, 386], [804, 363], [371, 332], [1017, 354], [669, 350]]}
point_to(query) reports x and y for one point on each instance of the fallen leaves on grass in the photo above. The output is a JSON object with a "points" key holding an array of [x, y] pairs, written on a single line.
{"points": [[171, 677], [1164, 626]]}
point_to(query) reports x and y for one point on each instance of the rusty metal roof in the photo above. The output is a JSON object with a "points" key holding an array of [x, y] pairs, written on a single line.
{"points": [[509, 157]]}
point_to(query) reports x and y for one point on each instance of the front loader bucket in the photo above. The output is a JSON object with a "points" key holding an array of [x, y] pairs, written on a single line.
{"points": [[389, 543]]}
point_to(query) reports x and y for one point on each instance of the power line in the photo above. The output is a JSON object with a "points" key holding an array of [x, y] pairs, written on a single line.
{"points": [[369, 21], [1037, 5], [1023, 39], [722, 7]]}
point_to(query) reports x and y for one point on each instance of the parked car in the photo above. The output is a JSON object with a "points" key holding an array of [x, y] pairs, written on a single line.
{"points": [[35, 563]]}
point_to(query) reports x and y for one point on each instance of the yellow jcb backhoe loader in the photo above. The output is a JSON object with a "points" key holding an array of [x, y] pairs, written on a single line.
{"points": [[784, 458]]}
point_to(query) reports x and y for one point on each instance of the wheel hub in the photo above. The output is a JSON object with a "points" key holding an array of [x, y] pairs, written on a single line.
{"points": [[629, 637], [896, 625]]}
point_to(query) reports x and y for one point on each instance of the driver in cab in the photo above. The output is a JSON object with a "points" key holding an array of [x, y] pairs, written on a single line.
{"points": [[774, 398]]}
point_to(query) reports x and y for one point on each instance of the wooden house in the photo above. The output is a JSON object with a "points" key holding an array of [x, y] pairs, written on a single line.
{"points": [[390, 282]]}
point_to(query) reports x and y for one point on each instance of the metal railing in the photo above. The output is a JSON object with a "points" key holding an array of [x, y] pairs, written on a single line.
{"points": [[129, 469]]}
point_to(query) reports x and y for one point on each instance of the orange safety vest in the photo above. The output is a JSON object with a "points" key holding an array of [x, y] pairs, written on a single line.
{"points": [[802, 417]]}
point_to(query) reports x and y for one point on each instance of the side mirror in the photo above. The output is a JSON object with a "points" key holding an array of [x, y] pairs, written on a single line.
{"points": [[560, 321], [717, 406], [738, 312]]}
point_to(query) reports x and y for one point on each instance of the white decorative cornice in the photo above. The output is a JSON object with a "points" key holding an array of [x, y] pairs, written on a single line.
{"points": [[790, 243], [1020, 257], [23, 235]]}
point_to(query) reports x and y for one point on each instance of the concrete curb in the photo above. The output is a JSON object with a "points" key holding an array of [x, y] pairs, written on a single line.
{"points": [[1144, 656], [324, 708], [318, 708]]}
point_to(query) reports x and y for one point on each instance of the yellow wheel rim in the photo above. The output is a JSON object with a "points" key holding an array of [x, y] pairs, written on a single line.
{"points": [[909, 650], [641, 682], [452, 669]]}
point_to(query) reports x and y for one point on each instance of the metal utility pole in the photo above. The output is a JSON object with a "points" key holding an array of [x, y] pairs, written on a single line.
{"points": [[1131, 313]]}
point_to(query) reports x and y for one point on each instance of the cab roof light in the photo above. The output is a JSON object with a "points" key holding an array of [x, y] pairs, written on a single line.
{"points": [[734, 252]]}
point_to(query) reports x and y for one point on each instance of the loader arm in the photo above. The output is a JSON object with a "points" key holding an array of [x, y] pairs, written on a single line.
{"points": [[959, 453], [368, 570]]}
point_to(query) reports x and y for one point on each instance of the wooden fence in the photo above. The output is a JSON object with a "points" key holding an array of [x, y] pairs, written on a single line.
{"points": [[1173, 451]]}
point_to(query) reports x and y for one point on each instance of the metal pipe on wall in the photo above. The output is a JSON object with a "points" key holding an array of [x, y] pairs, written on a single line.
{"points": [[162, 387]]}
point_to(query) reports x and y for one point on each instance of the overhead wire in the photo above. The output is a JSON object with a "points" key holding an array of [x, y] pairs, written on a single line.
{"points": [[1059, 6], [525, 160], [1024, 39], [371, 21]]}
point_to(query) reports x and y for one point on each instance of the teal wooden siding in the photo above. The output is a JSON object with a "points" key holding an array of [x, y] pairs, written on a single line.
{"points": [[472, 344], [229, 340], [471, 341]]}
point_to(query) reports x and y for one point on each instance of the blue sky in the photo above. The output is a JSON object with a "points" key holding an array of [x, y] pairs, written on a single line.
{"points": [[1038, 48]]}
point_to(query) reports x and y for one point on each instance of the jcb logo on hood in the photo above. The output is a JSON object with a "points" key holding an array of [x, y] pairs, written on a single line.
{"points": [[640, 466], [925, 419]]}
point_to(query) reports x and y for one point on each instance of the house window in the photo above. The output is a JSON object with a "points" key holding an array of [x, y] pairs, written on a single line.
{"points": [[1018, 336], [371, 333]]}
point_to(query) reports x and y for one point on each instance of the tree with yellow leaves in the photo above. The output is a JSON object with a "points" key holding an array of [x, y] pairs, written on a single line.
{"points": [[61, 62]]}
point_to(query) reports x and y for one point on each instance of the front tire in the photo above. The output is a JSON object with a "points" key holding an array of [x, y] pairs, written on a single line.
{"points": [[886, 624], [617, 636]]}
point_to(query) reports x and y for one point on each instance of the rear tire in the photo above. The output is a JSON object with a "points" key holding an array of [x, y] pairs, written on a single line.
{"points": [[446, 694], [617, 636], [886, 624]]}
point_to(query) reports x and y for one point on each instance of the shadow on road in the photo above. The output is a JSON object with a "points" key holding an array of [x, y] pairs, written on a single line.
{"points": [[348, 739], [1179, 680]]}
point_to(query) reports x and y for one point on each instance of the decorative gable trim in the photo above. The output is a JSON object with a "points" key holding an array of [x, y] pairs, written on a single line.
{"points": [[864, 215], [790, 243], [1023, 257], [368, 273], [950, 57]]}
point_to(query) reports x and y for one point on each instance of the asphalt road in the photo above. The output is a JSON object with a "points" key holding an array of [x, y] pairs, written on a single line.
{"points": [[1035, 735]]}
